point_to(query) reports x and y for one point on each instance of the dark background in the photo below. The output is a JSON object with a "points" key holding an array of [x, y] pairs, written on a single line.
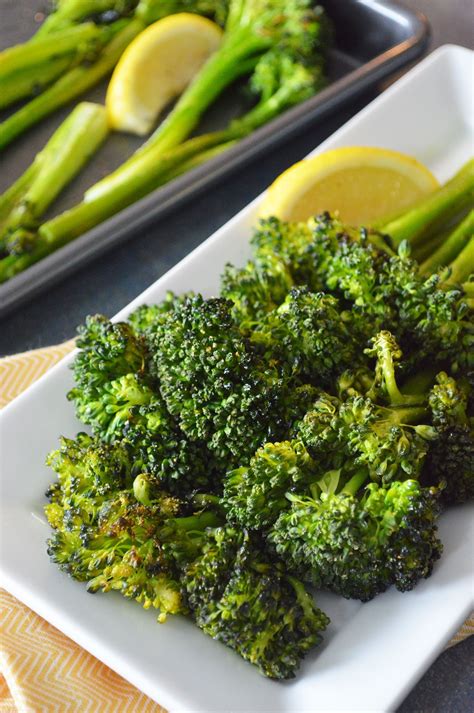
{"points": [[114, 279]]}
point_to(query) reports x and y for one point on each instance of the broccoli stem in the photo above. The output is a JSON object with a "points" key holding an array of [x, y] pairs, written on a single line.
{"points": [[233, 59], [420, 383], [33, 80], [69, 12], [88, 214], [70, 147], [197, 160], [10, 198], [446, 201], [71, 84], [454, 244], [468, 288], [385, 361], [197, 523], [463, 266], [32, 54], [356, 482], [426, 249], [408, 415]]}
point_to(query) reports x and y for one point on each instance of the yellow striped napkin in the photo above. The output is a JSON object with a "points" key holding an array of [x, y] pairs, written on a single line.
{"points": [[41, 670]]}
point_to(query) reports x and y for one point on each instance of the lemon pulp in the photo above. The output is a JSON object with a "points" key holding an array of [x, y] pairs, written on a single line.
{"points": [[361, 184]]}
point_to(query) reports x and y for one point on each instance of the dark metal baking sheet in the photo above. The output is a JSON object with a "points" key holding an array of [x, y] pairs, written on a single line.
{"points": [[373, 39]]}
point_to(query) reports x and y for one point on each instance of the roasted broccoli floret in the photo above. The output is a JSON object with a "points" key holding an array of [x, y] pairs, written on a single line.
{"points": [[450, 460], [359, 545], [214, 382], [111, 524], [254, 495], [311, 334], [146, 316], [108, 350], [117, 396], [240, 597]]}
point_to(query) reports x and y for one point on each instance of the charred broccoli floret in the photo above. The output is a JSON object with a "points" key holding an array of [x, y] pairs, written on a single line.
{"points": [[358, 546], [311, 334], [111, 524], [254, 495], [117, 396], [214, 382], [450, 460], [240, 597]]}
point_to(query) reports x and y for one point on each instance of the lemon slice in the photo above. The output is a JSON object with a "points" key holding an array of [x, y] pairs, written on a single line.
{"points": [[156, 68], [360, 184]]}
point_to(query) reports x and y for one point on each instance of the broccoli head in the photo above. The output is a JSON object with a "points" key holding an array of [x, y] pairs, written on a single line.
{"points": [[108, 350], [311, 334], [254, 495], [240, 597], [220, 390], [358, 546], [450, 460]]}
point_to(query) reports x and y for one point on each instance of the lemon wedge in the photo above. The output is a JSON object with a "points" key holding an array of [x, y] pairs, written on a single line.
{"points": [[156, 68], [360, 184]]}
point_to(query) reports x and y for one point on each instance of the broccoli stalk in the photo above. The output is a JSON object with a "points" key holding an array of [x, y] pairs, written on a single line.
{"points": [[287, 83], [451, 246], [21, 207], [33, 80], [463, 266], [69, 41], [251, 30], [415, 225], [71, 12], [74, 82]]}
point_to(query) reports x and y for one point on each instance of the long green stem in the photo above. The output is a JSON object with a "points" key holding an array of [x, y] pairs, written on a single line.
{"points": [[223, 67], [356, 482], [70, 85], [33, 80], [197, 160], [32, 54], [463, 266], [70, 147], [423, 251], [70, 12], [17, 190], [468, 288], [197, 522], [454, 244], [88, 214], [447, 200]]}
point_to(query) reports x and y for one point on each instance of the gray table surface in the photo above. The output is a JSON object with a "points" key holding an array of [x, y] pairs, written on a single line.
{"points": [[115, 278]]}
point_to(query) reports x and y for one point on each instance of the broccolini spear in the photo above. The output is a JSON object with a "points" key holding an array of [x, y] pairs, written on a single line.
{"points": [[251, 30], [74, 82], [417, 223], [451, 247], [23, 204], [28, 69], [279, 79]]}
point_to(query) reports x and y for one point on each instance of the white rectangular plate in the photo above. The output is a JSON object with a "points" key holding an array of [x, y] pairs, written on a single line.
{"points": [[372, 653]]}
